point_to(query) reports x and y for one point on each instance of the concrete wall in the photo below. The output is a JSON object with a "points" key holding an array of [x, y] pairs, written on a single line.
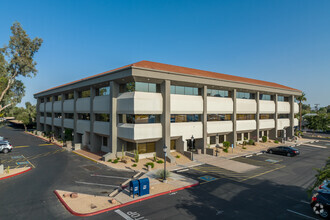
{"points": [[102, 127], [140, 131], [214, 127], [246, 125], [296, 108], [283, 107], [266, 123], [57, 106], [246, 106], [218, 105], [68, 123], [58, 122], [82, 126], [267, 107], [83, 105], [283, 123], [68, 106], [296, 122], [101, 104], [49, 120], [48, 107], [186, 104], [187, 129]]}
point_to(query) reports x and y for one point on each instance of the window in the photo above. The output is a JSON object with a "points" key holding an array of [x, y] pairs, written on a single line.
{"points": [[102, 91], [245, 95], [102, 117], [84, 94], [283, 116], [69, 96], [49, 99], [282, 98], [48, 114], [173, 144], [213, 139], [239, 136], [265, 97], [246, 117], [58, 115], [266, 116], [130, 147], [185, 118], [42, 100], [218, 93], [139, 87], [58, 98], [138, 119], [221, 138], [68, 115], [104, 141], [146, 147], [185, 90], [246, 136], [42, 114], [83, 116], [218, 117]]}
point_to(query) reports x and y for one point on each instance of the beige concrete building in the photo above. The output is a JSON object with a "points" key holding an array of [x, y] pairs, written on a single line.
{"points": [[146, 105]]}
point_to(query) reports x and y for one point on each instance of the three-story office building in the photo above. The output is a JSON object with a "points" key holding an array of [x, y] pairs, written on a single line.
{"points": [[146, 105]]}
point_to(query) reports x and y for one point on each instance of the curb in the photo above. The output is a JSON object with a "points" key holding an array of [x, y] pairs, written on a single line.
{"points": [[30, 168], [121, 205], [42, 139], [86, 157]]}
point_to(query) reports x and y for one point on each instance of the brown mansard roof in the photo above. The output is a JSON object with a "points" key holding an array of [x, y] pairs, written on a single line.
{"points": [[185, 70]]}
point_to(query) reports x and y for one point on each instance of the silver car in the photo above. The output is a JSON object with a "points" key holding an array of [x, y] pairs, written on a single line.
{"points": [[5, 147]]}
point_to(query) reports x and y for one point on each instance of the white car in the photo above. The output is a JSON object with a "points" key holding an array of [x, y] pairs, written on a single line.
{"points": [[5, 147]]}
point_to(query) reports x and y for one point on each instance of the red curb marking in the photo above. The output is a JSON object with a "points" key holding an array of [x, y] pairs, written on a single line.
{"points": [[118, 206], [16, 174]]}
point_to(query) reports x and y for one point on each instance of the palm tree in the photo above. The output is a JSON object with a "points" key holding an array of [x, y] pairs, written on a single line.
{"points": [[301, 99]]}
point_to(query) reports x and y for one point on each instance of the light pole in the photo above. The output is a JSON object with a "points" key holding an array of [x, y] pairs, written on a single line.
{"points": [[165, 152], [192, 147]]}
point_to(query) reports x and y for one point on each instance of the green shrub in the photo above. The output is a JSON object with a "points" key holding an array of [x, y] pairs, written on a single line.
{"points": [[243, 147], [115, 161], [136, 156], [245, 143], [155, 158], [160, 161], [225, 150], [226, 144], [134, 165], [251, 142], [160, 174], [110, 160], [264, 139], [149, 163], [177, 156], [276, 142]]}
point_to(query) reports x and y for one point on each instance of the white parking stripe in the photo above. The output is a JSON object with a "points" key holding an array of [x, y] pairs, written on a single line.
{"points": [[96, 184], [122, 214], [312, 145], [297, 213], [184, 170], [117, 177], [304, 202]]}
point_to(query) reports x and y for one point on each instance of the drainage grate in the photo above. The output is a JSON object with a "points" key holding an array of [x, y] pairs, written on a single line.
{"points": [[91, 167]]}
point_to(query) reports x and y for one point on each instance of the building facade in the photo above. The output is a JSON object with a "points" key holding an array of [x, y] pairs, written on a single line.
{"points": [[146, 105]]}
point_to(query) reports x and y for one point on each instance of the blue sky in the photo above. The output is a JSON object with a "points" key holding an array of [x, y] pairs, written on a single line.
{"points": [[286, 42]]}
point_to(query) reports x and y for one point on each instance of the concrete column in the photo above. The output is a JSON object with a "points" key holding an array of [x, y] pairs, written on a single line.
{"points": [[38, 114], [45, 114], [62, 113], [53, 114], [92, 117], [256, 132], [290, 133], [204, 118], [75, 117], [165, 118], [273, 132], [232, 137], [114, 90]]}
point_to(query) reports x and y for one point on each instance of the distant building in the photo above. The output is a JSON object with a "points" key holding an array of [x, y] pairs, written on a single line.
{"points": [[146, 105]]}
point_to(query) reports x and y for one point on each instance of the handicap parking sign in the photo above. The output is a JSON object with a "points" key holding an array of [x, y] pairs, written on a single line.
{"points": [[207, 178]]}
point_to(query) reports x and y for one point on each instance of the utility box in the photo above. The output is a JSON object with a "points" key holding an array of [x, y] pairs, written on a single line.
{"points": [[144, 186], [134, 187]]}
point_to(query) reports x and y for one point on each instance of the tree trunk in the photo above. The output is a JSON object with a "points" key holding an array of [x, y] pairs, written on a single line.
{"points": [[25, 127]]}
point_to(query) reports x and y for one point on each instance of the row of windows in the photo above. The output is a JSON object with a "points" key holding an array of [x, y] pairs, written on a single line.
{"points": [[245, 117], [245, 95], [138, 119], [185, 90], [139, 86], [213, 139], [218, 117], [142, 148], [218, 93], [185, 118]]}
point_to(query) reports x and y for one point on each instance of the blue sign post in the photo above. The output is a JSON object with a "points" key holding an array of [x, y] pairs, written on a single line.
{"points": [[232, 148]]}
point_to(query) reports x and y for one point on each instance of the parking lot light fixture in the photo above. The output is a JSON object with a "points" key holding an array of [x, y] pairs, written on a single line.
{"points": [[165, 152], [192, 147]]}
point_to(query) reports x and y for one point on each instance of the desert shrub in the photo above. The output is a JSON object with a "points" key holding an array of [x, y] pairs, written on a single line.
{"points": [[110, 160], [155, 158], [243, 147], [264, 138], [115, 161], [276, 142], [134, 165], [160, 161], [149, 163], [251, 142], [225, 150], [136, 156], [226, 144], [177, 156], [160, 174]]}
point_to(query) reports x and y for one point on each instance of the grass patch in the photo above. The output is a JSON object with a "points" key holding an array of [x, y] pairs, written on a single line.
{"points": [[160, 161]]}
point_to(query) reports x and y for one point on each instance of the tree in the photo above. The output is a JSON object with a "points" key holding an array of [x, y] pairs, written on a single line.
{"points": [[319, 122], [322, 174], [301, 99], [26, 115], [16, 60]]}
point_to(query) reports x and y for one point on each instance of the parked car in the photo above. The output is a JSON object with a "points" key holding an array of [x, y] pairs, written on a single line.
{"points": [[321, 203], [325, 185], [5, 147], [284, 150]]}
